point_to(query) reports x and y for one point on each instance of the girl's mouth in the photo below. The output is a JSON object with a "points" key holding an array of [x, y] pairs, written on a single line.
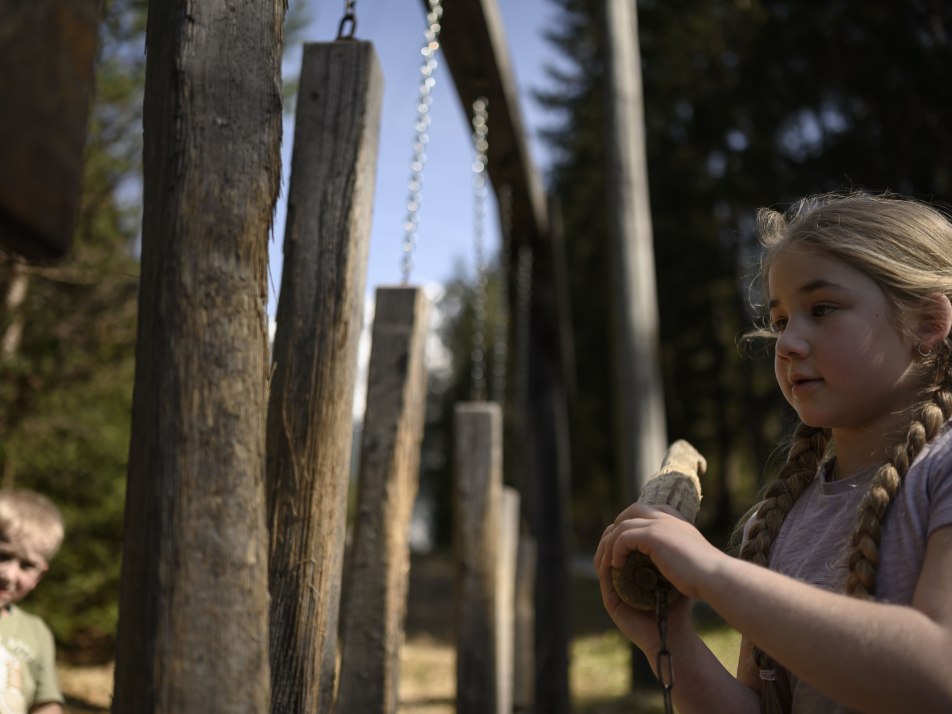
{"points": [[801, 385]]}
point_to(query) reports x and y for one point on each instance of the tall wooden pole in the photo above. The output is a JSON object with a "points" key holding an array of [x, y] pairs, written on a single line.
{"points": [[193, 618], [642, 434], [320, 312], [639, 408]]}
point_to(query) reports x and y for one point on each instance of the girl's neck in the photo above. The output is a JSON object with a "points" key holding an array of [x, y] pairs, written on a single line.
{"points": [[858, 451]]}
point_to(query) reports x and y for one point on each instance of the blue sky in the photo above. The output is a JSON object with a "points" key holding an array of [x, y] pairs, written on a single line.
{"points": [[445, 232]]}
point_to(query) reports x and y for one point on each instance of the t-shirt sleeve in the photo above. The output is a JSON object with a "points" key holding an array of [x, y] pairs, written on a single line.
{"points": [[47, 683], [940, 485]]}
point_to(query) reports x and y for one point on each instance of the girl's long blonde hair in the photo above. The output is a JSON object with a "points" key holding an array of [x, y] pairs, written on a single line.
{"points": [[906, 247]]}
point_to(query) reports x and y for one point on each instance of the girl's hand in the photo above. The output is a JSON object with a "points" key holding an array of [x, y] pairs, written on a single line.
{"points": [[639, 626], [677, 549]]}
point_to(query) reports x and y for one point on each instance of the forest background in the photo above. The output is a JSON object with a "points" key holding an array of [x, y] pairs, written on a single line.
{"points": [[748, 103]]}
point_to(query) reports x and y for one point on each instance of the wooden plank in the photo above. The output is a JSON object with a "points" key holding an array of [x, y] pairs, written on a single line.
{"points": [[506, 596], [47, 50], [523, 687], [193, 610], [319, 319], [477, 468], [378, 564]]}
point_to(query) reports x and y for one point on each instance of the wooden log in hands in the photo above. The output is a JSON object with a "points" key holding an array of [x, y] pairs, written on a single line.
{"points": [[676, 484]]}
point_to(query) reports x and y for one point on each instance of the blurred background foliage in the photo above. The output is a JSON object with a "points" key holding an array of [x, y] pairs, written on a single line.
{"points": [[748, 103]]}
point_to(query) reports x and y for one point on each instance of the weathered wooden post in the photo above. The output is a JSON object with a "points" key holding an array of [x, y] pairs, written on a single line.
{"points": [[319, 318], [193, 610], [477, 500], [523, 686], [378, 563], [47, 50], [509, 518]]}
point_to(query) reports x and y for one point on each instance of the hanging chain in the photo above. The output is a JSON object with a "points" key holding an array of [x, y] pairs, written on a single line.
{"points": [[431, 44], [501, 330], [664, 663], [481, 146], [348, 23]]}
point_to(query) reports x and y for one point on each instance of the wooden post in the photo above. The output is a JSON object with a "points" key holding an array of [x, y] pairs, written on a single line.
{"points": [[477, 472], [379, 561], [639, 409], [47, 50], [320, 312], [642, 434], [193, 608], [506, 597], [523, 687]]}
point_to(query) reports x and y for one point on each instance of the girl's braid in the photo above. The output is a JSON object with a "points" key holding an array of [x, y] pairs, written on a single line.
{"points": [[803, 460], [864, 548]]}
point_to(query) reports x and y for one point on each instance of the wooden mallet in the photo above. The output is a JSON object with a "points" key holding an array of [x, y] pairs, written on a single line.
{"points": [[676, 484]]}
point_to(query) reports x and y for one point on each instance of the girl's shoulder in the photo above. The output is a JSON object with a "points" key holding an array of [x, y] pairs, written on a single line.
{"points": [[936, 457]]}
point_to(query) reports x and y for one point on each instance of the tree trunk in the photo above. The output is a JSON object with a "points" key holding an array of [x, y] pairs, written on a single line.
{"points": [[193, 622]]}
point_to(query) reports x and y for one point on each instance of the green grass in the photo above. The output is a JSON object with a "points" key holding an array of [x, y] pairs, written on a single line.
{"points": [[601, 670]]}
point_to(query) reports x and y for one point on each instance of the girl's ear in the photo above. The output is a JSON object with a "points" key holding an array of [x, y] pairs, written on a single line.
{"points": [[935, 321]]}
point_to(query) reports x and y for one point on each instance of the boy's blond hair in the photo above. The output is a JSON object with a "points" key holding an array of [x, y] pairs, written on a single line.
{"points": [[32, 517]]}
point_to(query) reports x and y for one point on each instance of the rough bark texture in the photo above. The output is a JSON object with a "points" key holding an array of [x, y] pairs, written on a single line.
{"points": [[320, 313], [193, 609], [379, 560]]}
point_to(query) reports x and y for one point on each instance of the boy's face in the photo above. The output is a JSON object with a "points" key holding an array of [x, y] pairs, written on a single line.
{"points": [[21, 568]]}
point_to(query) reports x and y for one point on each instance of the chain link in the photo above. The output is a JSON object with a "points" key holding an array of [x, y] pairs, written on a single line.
{"points": [[348, 23], [664, 663], [431, 44], [481, 146]]}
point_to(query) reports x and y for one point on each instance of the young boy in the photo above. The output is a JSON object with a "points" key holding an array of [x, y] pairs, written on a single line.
{"points": [[31, 531]]}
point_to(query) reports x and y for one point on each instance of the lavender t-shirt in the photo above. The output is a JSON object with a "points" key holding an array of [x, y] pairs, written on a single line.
{"points": [[813, 542]]}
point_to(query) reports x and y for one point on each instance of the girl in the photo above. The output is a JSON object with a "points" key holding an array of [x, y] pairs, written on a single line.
{"points": [[853, 611]]}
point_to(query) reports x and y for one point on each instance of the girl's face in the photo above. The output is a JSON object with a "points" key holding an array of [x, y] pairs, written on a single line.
{"points": [[841, 360]]}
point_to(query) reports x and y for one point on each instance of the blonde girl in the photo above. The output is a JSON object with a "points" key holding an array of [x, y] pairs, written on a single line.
{"points": [[843, 591]]}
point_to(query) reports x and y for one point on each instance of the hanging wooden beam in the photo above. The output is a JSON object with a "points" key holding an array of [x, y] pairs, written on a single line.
{"points": [[319, 318], [47, 49], [378, 563], [477, 479], [474, 46]]}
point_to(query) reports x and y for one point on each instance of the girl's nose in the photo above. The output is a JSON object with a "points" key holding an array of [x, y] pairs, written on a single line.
{"points": [[791, 344]]}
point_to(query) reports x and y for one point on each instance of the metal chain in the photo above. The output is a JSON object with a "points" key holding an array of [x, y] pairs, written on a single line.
{"points": [[481, 146], [500, 347], [431, 44], [348, 23], [664, 663]]}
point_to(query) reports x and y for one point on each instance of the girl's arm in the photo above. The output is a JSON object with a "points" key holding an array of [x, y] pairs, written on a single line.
{"points": [[869, 656]]}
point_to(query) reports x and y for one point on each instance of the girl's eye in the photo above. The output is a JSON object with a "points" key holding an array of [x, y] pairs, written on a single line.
{"points": [[822, 310], [778, 325]]}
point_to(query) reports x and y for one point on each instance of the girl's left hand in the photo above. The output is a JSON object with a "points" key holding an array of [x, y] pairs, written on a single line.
{"points": [[675, 546]]}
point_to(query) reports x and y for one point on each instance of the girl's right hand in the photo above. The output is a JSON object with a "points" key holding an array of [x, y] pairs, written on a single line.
{"points": [[639, 626]]}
